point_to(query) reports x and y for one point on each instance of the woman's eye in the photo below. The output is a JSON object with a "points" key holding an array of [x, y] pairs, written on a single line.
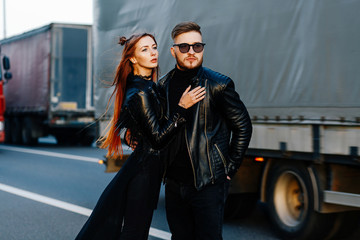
{"points": [[144, 50], [155, 47]]}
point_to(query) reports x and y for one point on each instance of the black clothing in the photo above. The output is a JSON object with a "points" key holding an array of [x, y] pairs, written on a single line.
{"points": [[141, 199], [193, 214], [217, 134], [142, 113], [221, 114], [180, 168], [135, 188]]}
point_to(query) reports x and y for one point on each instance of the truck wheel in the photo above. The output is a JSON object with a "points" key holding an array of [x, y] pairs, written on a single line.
{"points": [[66, 140], [27, 132], [86, 140], [61, 140], [8, 138], [240, 205], [86, 137], [290, 201], [16, 131]]}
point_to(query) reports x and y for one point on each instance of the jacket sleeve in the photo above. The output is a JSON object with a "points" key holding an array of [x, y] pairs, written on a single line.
{"points": [[238, 119], [143, 113]]}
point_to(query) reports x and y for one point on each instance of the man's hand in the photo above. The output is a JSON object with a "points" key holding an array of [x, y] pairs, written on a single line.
{"points": [[228, 178]]}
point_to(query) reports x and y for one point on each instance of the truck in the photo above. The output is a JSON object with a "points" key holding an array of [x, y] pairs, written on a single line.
{"points": [[3, 78], [295, 66], [52, 88]]}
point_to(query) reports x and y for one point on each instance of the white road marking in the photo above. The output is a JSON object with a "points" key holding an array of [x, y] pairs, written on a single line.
{"points": [[43, 199], [68, 206], [51, 154], [160, 234]]}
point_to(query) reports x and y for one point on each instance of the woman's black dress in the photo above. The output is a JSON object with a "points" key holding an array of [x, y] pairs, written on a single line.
{"points": [[125, 208]]}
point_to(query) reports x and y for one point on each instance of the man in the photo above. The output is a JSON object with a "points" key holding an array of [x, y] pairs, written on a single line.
{"points": [[209, 150]]}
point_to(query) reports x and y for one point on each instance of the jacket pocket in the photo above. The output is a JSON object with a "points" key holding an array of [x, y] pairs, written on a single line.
{"points": [[222, 157]]}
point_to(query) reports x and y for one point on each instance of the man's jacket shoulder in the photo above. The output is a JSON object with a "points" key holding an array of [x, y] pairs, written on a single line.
{"points": [[215, 79]]}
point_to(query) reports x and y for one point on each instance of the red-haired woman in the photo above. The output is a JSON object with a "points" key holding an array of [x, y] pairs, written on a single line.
{"points": [[125, 209]]}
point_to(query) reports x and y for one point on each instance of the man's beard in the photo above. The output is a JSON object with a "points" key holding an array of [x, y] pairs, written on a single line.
{"points": [[185, 68]]}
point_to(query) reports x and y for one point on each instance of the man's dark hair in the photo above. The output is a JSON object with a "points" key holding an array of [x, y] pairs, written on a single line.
{"points": [[184, 27]]}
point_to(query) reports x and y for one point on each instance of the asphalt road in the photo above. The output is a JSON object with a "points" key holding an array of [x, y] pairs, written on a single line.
{"points": [[47, 192]]}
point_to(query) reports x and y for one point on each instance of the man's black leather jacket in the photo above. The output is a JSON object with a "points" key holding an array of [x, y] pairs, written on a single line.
{"points": [[220, 131]]}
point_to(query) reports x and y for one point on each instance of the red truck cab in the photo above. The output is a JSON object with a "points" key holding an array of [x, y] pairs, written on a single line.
{"points": [[7, 76]]}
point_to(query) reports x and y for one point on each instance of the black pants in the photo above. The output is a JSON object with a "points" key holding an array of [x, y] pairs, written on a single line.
{"points": [[142, 197], [138, 213], [195, 215], [125, 208]]}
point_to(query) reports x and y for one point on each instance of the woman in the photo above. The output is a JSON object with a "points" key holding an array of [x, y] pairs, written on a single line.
{"points": [[125, 209]]}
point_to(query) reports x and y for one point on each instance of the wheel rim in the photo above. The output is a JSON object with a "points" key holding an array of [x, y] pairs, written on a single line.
{"points": [[291, 198]]}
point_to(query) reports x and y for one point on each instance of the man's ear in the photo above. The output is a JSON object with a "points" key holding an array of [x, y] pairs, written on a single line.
{"points": [[133, 60], [172, 50]]}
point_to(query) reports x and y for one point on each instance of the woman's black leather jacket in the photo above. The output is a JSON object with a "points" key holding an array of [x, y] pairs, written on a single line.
{"points": [[220, 131], [142, 113]]}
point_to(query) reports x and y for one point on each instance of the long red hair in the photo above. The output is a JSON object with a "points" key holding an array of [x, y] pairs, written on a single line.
{"points": [[112, 139]]}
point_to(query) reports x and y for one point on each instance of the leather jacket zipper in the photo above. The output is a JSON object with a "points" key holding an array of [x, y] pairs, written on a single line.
{"points": [[222, 157], [207, 143], [192, 164]]}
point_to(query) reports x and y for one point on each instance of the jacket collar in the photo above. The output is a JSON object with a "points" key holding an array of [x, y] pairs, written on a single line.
{"points": [[195, 80], [137, 81]]}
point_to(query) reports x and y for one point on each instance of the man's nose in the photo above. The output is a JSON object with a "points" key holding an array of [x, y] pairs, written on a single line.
{"points": [[191, 50]]}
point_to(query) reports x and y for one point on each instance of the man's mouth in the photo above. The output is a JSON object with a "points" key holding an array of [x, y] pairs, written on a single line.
{"points": [[191, 59]]}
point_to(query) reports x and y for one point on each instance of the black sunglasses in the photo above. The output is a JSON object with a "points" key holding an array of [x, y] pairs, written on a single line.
{"points": [[184, 47]]}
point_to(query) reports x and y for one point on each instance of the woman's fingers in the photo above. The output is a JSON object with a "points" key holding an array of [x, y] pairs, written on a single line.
{"points": [[199, 97], [186, 90], [195, 90], [189, 98], [198, 93]]}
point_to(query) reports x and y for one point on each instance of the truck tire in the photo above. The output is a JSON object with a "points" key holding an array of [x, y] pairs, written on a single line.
{"points": [[290, 203], [61, 140], [86, 137], [66, 140], [8, 138], [86, 140], [16, 130], [241, 205], [27, 132]]}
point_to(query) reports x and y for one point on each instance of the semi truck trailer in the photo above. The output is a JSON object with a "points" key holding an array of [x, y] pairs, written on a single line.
{"points": [[52, 87]]}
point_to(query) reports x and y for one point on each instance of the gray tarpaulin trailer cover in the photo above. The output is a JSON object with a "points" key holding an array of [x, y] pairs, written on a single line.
{"points": [[297, 59]]}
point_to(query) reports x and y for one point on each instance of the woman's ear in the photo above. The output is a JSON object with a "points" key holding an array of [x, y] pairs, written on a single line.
{"points": [[133, 60]]}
